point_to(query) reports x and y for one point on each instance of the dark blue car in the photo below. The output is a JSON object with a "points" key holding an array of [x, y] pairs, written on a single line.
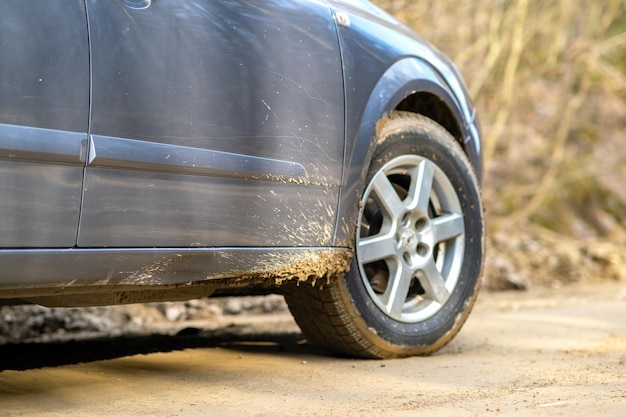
{"points": [[166, 150]]}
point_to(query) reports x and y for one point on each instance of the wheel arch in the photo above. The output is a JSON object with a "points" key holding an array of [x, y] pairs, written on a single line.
{"points": [[432, 106], [409, 84]]}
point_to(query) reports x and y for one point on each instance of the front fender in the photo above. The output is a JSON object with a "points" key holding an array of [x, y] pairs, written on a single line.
{"points": [[402, 79]]}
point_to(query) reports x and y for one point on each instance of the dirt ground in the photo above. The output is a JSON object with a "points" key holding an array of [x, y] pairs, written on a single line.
{"points": [[547, 352]]}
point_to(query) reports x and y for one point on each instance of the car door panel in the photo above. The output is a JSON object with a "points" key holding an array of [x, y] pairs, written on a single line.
{"points": [[205, 211], [44, 109], [41, 173], [234, 125]]}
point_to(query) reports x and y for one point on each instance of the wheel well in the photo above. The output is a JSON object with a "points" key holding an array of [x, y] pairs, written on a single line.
{"points": [[433, 107]]}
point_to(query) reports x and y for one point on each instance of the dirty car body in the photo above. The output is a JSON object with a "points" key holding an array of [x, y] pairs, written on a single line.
{"points": [[166, 150]]}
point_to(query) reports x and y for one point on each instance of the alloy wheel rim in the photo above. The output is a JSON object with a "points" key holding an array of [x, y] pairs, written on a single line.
{"points": [[410, 239]]}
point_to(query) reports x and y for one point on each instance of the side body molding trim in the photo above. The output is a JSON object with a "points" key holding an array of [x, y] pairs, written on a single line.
{"points": [[35, 144], [111, 152]]}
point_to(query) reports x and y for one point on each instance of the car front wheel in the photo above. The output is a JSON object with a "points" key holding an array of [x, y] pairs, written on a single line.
{"points": [[418, 255]]}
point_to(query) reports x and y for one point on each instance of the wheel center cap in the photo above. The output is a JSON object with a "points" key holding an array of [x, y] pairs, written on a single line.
{"points": [[408, 239]]}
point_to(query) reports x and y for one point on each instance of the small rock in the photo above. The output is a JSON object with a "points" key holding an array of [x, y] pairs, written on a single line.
{"points": [[233, 307]]}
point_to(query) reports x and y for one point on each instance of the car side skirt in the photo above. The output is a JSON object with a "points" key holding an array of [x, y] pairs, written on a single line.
{"points": [[78, 276]]}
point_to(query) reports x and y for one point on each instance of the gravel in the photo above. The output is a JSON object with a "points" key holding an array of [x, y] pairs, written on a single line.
{"points": [[34, 323]]}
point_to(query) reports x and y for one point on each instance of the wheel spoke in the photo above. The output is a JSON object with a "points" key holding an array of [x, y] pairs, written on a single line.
{"points": [[376, 247], [395, 296], [433, 283], [447, 226], [421, 185], [387, 196]]}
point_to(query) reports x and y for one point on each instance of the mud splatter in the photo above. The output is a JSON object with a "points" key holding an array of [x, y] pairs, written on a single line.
{"points": [[314, 267]]}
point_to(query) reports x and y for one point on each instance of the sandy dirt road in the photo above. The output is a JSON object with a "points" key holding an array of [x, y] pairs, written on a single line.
{"points": [[539, 353]]}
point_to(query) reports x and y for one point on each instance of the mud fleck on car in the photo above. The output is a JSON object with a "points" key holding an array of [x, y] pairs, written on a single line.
{"points": [[169, 150]]}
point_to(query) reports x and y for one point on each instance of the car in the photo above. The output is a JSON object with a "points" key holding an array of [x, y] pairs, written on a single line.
{"points": [[170, 150]]}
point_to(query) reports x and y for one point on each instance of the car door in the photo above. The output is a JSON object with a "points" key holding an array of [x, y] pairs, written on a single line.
{"points": [[213, 123], [44, 109]]}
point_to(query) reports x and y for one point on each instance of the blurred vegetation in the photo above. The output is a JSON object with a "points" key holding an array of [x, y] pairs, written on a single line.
{"points": [[549, 81]]}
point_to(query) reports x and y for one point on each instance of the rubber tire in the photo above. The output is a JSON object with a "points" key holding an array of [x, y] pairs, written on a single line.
{"points": [[342, 318]]}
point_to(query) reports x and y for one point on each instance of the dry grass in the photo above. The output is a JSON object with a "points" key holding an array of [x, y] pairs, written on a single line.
{"points": [[549, 81]]}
